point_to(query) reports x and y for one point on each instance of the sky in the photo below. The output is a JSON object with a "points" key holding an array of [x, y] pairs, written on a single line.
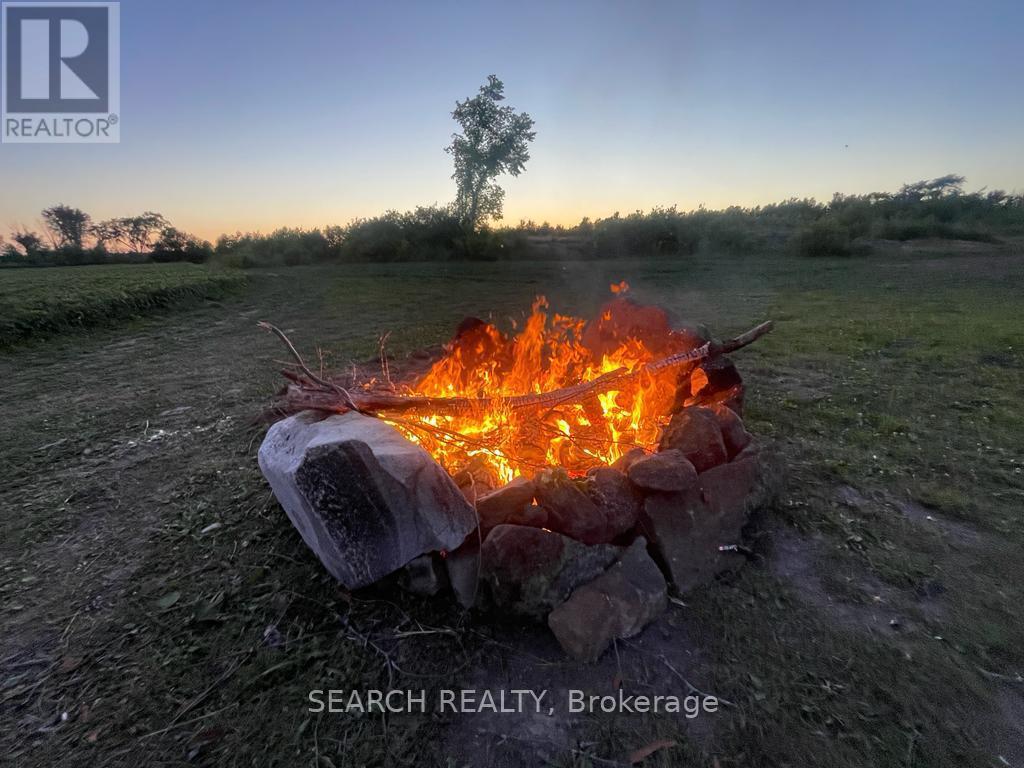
{"points": [[247, 116]]}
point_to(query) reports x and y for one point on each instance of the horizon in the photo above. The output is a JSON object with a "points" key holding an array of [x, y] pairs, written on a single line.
{"points": [[324, 113]]}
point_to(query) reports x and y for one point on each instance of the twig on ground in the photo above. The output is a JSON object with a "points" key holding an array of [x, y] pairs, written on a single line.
{"points": [[188, 722], [690, 686], [413, 633], [1001, 678], [197, 700]]}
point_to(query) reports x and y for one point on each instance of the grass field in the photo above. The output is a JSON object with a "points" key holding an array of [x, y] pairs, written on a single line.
{"points": [[158, 608], [39, 302]]}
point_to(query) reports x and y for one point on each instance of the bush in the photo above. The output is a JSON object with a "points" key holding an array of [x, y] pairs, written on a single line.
{"points": [[282, 247], [428, 233], [731, 234], [382, 238], [175, 245], [661, 231], [915, 229], [11, 256], [824, 237]]}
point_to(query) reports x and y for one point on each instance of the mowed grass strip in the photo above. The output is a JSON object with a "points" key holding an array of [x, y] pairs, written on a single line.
{"points": [[42, 302]]}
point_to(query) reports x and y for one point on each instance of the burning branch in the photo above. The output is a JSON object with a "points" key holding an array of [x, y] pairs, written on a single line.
{"points": [[309, 391]]}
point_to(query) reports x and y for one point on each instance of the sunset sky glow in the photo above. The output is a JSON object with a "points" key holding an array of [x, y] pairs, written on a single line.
{"points": [[255, 115]]}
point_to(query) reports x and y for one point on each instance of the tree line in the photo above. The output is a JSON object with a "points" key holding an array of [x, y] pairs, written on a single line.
{"points": [[937, 208], [70, 236], [493, 141], [847, 224]]}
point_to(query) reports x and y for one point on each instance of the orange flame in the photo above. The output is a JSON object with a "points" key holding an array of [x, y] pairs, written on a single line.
{"points": [[549, 352]]}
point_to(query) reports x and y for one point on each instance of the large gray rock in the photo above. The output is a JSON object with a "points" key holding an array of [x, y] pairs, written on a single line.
{"points": [[364, 499], [687, 528], [529, 571], [617, 604]]}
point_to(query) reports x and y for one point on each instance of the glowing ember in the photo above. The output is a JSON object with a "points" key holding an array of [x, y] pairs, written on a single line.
{"points": [[551, 351]]}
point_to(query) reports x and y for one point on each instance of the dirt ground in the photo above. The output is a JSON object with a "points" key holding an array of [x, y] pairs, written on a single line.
{"points": [[158, 608]]}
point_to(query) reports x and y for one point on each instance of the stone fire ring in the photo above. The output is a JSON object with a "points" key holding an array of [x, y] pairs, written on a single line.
{"points": [[593, 556]]}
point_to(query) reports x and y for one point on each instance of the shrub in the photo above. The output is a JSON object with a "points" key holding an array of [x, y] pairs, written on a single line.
{"points": [[663, 231], [731, 234], [824, 237], [428, 233], [282, 247], [175, 245], [915, 229], [11, 256]]}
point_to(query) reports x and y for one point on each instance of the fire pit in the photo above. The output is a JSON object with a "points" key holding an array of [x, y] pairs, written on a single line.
{"points": [[567, 472]]}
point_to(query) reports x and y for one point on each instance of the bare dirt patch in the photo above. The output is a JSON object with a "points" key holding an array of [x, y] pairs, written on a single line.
{"points": [[664, 660]]}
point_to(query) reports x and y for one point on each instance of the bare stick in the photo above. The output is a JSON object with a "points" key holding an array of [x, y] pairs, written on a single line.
{"points": [[755, 333], [346, 397], [384, 367]]}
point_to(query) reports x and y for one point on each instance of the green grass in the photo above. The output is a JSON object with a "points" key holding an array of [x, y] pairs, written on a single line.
{"points": [[899, 375], [39, 302]]}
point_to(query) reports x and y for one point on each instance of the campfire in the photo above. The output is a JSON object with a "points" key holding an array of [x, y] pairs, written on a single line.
{"points": [[565, 470]]}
